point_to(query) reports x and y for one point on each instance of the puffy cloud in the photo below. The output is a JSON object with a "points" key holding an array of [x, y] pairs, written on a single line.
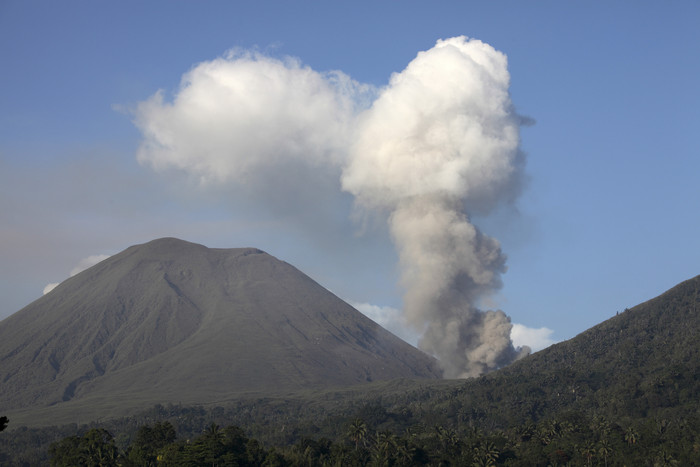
{"points": [[535, 338], [82, 265], [445, 125], [389, 318], [236, 118], [268, 134], [88, 262], [50, 287]]}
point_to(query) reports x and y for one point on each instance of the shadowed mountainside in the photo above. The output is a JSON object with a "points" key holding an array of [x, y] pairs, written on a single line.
{"points": [[172, 321]]}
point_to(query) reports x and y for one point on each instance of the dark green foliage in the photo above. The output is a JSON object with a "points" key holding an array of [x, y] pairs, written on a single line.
{"points": [[215, 446], [95, 448], [149, 441], [573, 439]]}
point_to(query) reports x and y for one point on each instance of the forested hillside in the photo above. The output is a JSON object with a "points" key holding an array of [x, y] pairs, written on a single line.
{"points": [[643, 362], [625, 392]]}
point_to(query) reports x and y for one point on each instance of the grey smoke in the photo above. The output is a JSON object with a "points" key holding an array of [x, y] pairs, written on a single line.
{"points": [[441, 141], [437, 145]]}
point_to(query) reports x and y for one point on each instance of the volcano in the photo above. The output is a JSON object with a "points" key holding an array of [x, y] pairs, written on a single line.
{"points": [[173, 321]]}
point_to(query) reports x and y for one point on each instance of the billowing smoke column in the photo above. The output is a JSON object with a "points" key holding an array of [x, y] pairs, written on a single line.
{"points": [[438, 144], [441, 142]]}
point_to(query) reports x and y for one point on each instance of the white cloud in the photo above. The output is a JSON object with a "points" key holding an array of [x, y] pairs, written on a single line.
{"points": [[237, 117], [535, 338], [272, 134], [82, 265], [50, 287], [445, 125], [389, 318], [88, 262]]}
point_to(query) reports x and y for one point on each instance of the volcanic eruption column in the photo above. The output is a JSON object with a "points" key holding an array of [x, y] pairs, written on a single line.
{"points": [[437, 145], [441, 142]]}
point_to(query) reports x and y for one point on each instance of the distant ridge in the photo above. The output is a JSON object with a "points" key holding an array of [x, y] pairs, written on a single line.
{"points": [[173, 321]]}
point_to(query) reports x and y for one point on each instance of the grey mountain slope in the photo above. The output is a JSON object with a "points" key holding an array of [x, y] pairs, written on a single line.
{"points": [[175, 321]]}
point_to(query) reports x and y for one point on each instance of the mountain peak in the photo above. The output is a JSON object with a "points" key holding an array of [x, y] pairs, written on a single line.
{"points": [[174, 246], [174, 321]]}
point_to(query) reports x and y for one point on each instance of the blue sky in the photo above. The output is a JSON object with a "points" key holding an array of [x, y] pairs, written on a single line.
{"points": [[608, 219]]}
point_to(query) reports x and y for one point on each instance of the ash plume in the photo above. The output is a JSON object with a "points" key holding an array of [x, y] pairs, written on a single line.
{"points": [[442, 142], [437, 145]]}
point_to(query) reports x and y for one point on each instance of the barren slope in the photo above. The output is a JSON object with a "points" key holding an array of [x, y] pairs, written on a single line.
{"points": [[172, 321]]}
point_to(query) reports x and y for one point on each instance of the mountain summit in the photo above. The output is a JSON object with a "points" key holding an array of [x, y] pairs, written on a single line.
{"points": [[173, 321]]}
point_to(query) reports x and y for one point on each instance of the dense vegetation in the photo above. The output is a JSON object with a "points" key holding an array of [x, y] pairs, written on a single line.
{"points": [[574, 439], [625, 392]]}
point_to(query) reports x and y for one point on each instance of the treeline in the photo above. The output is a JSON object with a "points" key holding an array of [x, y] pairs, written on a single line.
{"points": [[573, 439], [443, 423]]}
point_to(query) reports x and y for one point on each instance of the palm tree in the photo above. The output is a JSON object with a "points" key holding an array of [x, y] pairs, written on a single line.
{"points": [[357, 432], [525, 432], [664, 459], [210, 445], [384, 445], [485, 454], [601, 425], [213, 431], [309, 456], [662, 426], [566, 427], [448, 438], [405, 452], [98, 448], [549, 431], [605, 450], [631, 436], [588, 452]]}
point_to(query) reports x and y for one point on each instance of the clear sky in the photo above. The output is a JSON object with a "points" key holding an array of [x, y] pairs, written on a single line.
{"points": [[608, 217]]}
